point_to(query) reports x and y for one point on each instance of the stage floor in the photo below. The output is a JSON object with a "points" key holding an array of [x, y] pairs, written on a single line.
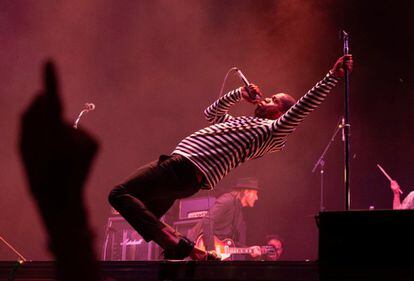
{"points": [[214, 271]]}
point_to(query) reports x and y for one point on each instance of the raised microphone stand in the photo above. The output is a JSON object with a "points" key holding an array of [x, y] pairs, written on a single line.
{"points": [[347, 126], [321, 161]]}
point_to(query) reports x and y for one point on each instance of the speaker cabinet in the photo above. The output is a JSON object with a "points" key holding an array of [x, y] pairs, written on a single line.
{"points": [[123, 243], [195, 207], [183, 226], [377, 237]]}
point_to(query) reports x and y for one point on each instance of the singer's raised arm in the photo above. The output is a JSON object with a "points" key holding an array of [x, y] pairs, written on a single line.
{"points": [[217, 112], [288, 122]]}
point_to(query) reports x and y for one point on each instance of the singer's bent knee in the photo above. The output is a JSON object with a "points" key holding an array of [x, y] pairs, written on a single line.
{"points": [[115, 193]]}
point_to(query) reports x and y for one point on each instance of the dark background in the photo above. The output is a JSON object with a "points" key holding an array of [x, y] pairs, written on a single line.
{"points": [[151, 67]]}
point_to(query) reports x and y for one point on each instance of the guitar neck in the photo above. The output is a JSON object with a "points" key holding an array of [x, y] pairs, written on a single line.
{"points": [[240, 250], [236, 250]]}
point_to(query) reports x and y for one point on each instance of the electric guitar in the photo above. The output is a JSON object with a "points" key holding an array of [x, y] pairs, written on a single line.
{"points": [[226, 247]]}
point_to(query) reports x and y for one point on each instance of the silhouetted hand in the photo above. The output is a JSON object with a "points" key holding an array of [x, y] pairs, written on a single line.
{"points": [[57, 159], [56, 156], [255, 251]]}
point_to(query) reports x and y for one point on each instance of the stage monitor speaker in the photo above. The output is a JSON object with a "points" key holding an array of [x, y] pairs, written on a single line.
{"points": [[377, 237], [122, 243]]}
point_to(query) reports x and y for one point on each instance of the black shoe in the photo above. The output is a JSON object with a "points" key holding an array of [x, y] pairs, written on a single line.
{"points": [[181, 251], [212, 256]]}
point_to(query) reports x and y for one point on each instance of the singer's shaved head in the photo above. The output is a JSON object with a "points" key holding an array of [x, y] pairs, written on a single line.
{"points": [[275, 106]]}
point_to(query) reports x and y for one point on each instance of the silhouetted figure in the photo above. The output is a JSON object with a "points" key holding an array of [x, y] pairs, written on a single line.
{"points": [[57, 159]]}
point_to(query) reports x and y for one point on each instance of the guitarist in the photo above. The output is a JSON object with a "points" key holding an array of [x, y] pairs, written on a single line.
{"points": [[225, 219]]}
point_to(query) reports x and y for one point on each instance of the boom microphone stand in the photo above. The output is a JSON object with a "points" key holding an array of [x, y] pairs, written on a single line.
{"points": [[347, 126], [321, 160]]}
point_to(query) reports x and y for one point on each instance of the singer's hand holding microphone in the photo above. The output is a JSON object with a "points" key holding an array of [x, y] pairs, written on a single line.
{"points": [[344, 62], [251, 93]]}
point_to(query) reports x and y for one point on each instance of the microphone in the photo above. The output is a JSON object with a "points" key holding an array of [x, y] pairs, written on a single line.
{"points": [[345, 39], [86, 108], [243, 78], [89, 106]]}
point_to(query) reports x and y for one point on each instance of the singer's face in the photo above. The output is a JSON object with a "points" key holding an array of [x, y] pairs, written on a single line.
{"points": [[274, 107]]}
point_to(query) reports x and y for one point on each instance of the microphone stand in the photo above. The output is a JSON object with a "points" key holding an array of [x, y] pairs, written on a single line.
{"points": [[21, 259], [347, 127], [321, 161]]}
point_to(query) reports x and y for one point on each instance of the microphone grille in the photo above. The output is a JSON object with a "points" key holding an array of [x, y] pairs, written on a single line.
{"points": [[89, 106]]}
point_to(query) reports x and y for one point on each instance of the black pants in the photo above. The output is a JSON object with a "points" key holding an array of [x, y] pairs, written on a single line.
{"points": [[148, 194]]}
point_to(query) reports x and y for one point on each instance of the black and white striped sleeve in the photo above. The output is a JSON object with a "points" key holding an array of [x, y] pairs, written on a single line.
{"points": [[311, 100], [217, 112]]}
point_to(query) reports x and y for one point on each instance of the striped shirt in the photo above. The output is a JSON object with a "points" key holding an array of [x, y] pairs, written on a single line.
{"points": [[230, 141]]}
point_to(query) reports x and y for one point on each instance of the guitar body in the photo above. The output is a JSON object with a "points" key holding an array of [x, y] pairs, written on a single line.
{"points": [[222, 247], [226, 247]]}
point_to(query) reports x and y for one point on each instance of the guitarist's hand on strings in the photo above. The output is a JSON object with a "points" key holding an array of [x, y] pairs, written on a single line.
{"points": [[255, 251]]}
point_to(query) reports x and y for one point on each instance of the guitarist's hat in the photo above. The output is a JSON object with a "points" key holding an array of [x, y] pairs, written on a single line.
{"points": [[247, 183]]}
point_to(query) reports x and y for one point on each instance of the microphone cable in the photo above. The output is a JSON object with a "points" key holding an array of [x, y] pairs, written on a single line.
{"points": [[209, 192], [233, 69]]}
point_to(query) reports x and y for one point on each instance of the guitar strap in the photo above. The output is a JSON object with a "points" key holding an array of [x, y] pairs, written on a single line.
{"points": [[234, 231], [208, 235], [238, 224]]}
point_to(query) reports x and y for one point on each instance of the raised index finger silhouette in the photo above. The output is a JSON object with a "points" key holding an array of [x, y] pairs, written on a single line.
{"points": [[51, 89]]}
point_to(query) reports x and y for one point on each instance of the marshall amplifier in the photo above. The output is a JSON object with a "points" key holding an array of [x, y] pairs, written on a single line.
{"points": [[122, 243], [191, 211], [192, 208], [183, 226]]}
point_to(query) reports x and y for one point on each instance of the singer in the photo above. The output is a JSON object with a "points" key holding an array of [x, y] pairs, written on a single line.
{"points": [[202, 159]]}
